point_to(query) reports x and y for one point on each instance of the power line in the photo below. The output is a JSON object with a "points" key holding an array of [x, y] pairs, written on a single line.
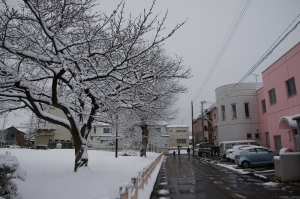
{"points": [[262, 59], [225, 44]]}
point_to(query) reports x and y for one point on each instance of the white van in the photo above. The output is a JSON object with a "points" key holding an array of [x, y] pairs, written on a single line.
{"points": [[229, 144]]}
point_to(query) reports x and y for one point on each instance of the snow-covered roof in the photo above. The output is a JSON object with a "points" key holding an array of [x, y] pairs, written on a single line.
{"points": [[176, 126], [22, 129], [162, 123], [101, 124]]}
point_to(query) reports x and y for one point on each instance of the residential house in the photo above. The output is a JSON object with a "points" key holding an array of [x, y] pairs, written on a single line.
{"points": [[279, 102], [238, 113], [13, 136], [51, 134], [101, 137]]}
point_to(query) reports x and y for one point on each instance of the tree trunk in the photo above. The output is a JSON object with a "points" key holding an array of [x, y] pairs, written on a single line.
{"points": [[145, 132], [81, 156]]}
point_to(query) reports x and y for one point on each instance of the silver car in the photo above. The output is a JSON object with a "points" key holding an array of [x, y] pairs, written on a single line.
{"points": [[234, 151]]}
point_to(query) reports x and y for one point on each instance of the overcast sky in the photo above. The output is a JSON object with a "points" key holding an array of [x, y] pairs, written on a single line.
{"points": [[202, 36]]}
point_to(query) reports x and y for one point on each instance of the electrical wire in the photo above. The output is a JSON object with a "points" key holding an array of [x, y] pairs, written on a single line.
{"points": [[225, 44], [262, 59]]}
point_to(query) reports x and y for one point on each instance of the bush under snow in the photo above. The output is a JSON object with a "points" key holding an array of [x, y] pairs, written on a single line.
{"points": [[9, 169]]}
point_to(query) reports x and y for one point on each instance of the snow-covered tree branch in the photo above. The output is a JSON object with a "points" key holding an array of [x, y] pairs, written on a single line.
{"points": [[64, 55]]}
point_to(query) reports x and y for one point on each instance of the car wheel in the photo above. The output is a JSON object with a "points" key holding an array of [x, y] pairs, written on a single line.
{"points": [[245, 164]]}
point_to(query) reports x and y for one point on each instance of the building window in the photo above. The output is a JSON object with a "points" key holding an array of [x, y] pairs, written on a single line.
{"points": [[181, 141], [268, 139], [234, 115], [223, 113], [180, 130], [272, 95], [291, 87], [94, 129], [106, 130], [215, 116], [247, 113], [263, 105], [12, 135], [249, 135], [288, 133], [257, 135]]}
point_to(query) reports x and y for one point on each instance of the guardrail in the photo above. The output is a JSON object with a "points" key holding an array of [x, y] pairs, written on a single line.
{"points": [[131, 191]]}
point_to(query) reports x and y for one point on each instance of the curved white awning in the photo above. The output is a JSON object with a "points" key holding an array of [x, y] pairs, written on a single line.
{"points": [[287, 122]]}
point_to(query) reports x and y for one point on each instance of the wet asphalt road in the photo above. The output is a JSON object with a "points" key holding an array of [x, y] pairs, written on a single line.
{"points": [[183, 177]]}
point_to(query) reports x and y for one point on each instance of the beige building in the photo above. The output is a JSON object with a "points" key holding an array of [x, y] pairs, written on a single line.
{"points": [[178, 135], [51, 134], [172, 136]]}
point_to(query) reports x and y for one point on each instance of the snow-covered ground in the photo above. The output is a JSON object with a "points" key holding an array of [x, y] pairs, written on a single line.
{"points": [[50, 174]]}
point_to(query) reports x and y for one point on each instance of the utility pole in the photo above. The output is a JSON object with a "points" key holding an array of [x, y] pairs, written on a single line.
{"points": [[193, 130], [202, 121], [116, 151]]}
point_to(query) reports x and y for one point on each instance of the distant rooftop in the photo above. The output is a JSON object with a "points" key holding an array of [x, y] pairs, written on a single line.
{"points": [[176, 125]]}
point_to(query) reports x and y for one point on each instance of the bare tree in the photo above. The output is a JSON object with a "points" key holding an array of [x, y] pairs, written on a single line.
{"points": [[31, 127], [3, 131], [61, 54], [156, 110]]}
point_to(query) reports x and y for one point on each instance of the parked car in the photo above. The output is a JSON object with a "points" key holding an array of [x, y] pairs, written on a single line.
{"points": [[42, 147], [254, 156], [234, 151], [224, 146]]}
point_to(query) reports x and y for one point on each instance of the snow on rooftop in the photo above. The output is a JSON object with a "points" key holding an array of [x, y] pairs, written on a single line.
{"points": [[176, 126], [102, 124], [162, 123]]}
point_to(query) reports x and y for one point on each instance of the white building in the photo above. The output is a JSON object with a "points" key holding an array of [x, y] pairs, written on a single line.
{"points": [[101, 137], [238, 116], [161, 138]]}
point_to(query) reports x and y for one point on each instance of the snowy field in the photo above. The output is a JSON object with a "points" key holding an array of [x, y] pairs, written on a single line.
{"points": [[50, 174]]}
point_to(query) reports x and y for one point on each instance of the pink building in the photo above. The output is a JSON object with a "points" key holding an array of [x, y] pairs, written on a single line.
{"points": [[279, 102]]}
